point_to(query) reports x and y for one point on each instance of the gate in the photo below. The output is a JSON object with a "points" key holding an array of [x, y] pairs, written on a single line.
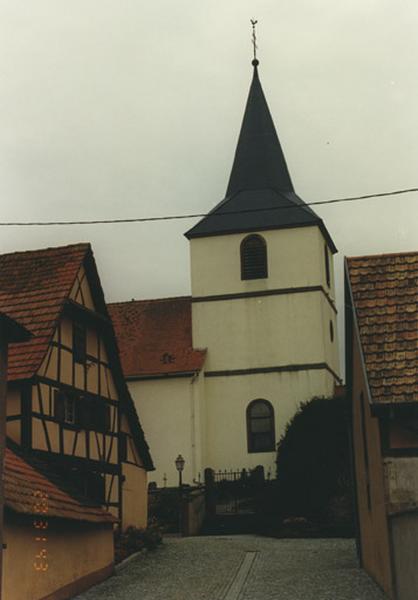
{"points": [[233, 492]]}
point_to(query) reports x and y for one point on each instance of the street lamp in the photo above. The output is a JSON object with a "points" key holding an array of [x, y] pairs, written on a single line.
{"points": [[179, 462]]}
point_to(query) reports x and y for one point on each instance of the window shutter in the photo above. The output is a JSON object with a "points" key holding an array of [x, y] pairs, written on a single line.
{"points": [[95, 486], [99, 415], [106, 417], [79, 342], [59, 408], [93, 413], [123, 447], [83, 411], [70, 408]]}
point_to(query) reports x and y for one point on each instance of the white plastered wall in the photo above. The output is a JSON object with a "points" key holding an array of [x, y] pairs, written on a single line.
{"points": [[171, 412], [267, 331], [227, 401], [263, 331], [295, 258]]}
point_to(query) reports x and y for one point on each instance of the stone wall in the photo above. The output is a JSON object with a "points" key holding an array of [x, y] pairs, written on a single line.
{"points": [[193, 512]]}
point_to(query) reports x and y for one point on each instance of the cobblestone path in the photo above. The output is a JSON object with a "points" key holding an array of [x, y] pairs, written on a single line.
{"points": [[242, 568]]}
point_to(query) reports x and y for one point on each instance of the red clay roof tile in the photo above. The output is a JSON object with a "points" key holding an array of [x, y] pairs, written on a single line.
{"points": [[155, 337], [385, 293], [33, 287]]}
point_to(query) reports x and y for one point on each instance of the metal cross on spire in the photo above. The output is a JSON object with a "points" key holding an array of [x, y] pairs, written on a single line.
{"points": [[254, 41]]}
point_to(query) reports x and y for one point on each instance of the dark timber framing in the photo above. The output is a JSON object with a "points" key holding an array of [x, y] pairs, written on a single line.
{"points": [[26, 423], [37, 406], [67, 460], [273, 292]]}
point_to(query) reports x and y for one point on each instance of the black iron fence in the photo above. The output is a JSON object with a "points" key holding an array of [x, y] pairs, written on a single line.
{"points": [[234, 491]]}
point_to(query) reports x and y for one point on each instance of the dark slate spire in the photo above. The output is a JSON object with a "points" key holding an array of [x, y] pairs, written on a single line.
{"points": [[260, 192], [259, 162]]}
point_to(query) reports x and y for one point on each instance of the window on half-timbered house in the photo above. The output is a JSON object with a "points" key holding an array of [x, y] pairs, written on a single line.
{"points": [[64, 407], [101, 418], [89, 483], [79, 342], [69, 410], [95, 487], [93, 413]]}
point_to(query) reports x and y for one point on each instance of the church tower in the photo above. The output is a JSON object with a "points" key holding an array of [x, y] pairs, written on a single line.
{"points": [[263, 301]]}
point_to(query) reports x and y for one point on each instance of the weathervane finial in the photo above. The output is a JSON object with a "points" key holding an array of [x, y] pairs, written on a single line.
{"points": [[254, 41]]}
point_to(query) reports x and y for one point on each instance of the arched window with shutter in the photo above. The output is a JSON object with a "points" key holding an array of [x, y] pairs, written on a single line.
{"points": [[253, 257], [260, 427]]}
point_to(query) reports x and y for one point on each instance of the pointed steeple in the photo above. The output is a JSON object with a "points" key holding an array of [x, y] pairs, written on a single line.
{"points": [[259, 162], [260, 192]]}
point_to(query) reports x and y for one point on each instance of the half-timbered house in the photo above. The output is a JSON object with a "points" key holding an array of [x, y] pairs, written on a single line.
{"points": [[67, 402]]}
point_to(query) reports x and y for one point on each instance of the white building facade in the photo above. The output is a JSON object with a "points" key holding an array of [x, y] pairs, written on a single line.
{"points": [[219, 379]]}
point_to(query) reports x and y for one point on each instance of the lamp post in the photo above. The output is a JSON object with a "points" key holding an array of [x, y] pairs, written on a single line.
{"points": [[179, 462]]}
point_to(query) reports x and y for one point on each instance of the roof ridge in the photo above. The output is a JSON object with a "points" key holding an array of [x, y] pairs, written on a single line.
{"points": [[80, 245], [135, 301], [383, 255]]}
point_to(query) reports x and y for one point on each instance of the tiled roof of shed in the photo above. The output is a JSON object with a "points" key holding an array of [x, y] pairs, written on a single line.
{"points": [[385, 294], [33, 288], [155, 337], [22, 482]]}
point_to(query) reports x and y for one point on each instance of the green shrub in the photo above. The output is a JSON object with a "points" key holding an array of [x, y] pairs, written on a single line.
{"points": [[313, 463], [163, 507], [133, 540]]}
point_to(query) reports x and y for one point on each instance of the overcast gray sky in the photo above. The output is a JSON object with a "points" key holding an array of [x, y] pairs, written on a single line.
{"points": [[126, 108]]}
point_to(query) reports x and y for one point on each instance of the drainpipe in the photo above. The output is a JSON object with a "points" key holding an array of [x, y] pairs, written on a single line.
{"points": [[193, 425]]}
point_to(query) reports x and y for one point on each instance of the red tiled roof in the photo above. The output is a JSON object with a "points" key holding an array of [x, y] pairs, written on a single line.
{"points": [[155, 337], [33, 288], [385, 293], [21, 484]]}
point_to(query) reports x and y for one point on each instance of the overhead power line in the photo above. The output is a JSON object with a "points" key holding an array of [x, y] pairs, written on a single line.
{"points": [[200, 215]]}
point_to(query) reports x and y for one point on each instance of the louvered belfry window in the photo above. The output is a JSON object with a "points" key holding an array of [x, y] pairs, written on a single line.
{"points": [[253, 257]]}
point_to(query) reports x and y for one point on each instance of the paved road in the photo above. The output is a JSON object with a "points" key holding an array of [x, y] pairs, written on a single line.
{"points": [[241, 568]]}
